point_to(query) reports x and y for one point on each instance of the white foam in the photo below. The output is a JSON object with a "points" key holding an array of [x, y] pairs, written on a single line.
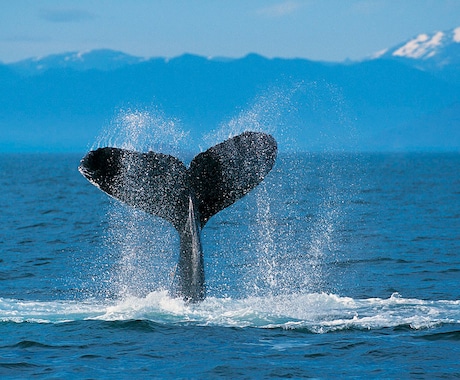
{"points": [[317, 312]]}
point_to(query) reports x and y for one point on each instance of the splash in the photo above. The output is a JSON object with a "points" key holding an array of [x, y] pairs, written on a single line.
{"points": [[278, 257], [144, 130], [143, 249], [265, 114]]}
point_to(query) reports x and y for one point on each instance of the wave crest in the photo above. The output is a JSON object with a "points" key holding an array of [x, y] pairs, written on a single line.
{"points": [[315, 312]]}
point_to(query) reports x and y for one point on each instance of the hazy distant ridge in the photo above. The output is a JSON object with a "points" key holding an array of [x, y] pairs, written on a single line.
{"points": [[392, 102]]}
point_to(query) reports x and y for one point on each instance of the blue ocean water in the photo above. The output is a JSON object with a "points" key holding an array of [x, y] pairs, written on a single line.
{"points": [[337, 266]]}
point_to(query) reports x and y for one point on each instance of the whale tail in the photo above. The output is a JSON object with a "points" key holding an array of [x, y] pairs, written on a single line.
{"points": [[160, 184]]}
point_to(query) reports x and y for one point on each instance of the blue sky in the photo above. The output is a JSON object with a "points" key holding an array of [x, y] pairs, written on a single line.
{"points": [[329, 30]]}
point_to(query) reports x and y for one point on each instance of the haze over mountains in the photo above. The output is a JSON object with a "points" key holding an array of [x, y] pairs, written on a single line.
{"points": [[406, 98]]}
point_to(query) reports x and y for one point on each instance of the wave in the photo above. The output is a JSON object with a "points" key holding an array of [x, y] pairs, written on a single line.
{"points": [[315, 312]]}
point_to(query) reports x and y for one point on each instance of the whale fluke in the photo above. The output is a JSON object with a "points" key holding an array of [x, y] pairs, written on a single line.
{"points": [[229, 170], [152, 182], [161, 185]]}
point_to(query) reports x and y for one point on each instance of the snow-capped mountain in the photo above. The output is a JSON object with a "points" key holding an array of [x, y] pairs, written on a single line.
{"points": [[103, 59], [428, 51]]}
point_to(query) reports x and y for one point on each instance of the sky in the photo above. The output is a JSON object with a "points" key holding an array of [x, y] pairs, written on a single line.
{"points": [[320, 30]]}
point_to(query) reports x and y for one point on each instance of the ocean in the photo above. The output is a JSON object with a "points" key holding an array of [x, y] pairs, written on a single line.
{"points": [[336, 266]]}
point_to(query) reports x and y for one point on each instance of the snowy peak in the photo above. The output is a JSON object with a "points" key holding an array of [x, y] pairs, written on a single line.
{"points": [[103, 60], [421, 47], [437, 49]]}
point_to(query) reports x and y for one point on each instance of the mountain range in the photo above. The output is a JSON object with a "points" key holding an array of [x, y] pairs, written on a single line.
{"points": [[406, 98]]}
